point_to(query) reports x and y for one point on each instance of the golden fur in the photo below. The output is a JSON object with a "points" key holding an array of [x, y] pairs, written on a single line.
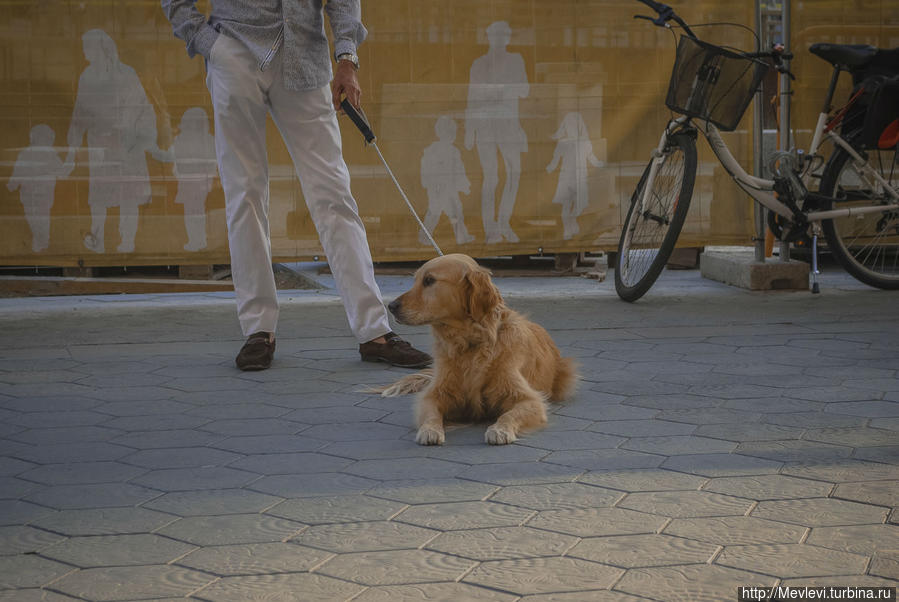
{"points": [[490, 362]]}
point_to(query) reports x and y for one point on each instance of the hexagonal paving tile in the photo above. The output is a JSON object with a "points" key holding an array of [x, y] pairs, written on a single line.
{"points": [[29, 571], [605, 459], [679, 445], [557, 496], [117, 550], [642, 428], [886, 564], [503, 543], [16, 512], [478, 453], [433, 491], [821, 512], [132, 582], [735, 530], [685, 504], [749, 432], [290, 463], [339, 509], [630, 551], [543, 575], [369, 536], [313, 484], [722, 465], [400, 468], [861, 539], [644, 480], [464, 515], [314, 588], [396, 567], [212, 502], [25, 540], [885, 453], [99, 495], [194, 478], [879, 493], [562, 440], [521, 473], [596, 522], [180, 457], [845, 471], [689, 583], [852, 436], [104, 521], [270, 444], [32, 595], [768, 487], [62, 453], [597, 595], [792, 560], [794, 451], [432, 591], [254, 559], [231, 529]]}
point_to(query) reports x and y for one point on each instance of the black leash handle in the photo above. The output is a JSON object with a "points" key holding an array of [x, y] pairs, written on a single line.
{"points": [[358, 119]]}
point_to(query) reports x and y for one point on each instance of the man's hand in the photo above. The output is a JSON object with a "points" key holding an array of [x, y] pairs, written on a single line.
{"points": [[345, 83]]}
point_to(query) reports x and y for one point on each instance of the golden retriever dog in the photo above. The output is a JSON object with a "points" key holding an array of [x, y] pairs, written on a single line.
{"points": [[490, 362]]}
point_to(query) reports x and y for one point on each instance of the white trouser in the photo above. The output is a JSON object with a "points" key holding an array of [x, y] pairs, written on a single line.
{"points": [[242, 95]]}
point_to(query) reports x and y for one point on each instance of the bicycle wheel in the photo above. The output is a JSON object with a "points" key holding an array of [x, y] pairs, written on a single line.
{"points": [[867, 245], [650, 231]]}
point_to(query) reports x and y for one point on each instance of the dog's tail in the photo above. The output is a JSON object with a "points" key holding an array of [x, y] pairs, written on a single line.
{"points": [[565, 379], [413, 383]]}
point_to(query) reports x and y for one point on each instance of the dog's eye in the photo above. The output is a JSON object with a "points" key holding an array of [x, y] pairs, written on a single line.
{"points": [[427, 281]]}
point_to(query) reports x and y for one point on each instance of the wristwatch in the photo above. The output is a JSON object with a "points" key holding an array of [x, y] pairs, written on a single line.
{"points": [[347, 56]]}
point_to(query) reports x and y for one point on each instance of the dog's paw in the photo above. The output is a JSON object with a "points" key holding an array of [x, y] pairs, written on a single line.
{"points": [[430, 436], [497, 435]]}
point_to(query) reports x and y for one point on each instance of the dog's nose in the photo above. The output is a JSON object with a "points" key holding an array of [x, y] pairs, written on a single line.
{"points": [[394, 306]]}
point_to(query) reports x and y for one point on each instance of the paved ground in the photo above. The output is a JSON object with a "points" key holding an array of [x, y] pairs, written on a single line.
{"points": [[719, 438]]}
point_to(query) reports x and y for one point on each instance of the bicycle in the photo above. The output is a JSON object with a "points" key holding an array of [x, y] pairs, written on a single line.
{"points": [[856, 206]]}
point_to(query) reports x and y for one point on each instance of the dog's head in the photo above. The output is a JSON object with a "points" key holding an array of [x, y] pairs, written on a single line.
{"points": [[451, 288]]}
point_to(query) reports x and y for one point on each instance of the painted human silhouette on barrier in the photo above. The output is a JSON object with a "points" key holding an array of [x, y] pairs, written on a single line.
{"points": [[443, 176], [498, 80], [112, 109], [196, 170], [573, 151], [34, 175]]}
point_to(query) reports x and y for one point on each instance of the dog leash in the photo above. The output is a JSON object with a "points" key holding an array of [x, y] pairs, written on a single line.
{"points": [[359, 120]]}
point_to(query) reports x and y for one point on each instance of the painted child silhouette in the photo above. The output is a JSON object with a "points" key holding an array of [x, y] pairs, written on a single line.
{"points": [[34, 175], [196, 169], [573, 151], [443, 176]]}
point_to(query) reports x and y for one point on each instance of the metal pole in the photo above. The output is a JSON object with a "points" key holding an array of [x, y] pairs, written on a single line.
{"points": [[786, 142], [757, 149]]}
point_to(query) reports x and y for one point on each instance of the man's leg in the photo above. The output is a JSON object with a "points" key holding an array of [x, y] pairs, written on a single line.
{"points": [[308, 123], [309, 126], [238, 99]]}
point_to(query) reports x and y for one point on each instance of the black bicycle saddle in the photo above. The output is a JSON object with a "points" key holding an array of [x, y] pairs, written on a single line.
{"points": [[848, 56]]}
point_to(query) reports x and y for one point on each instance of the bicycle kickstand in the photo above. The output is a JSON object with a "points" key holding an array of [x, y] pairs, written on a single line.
{"points": [[815, 288]]}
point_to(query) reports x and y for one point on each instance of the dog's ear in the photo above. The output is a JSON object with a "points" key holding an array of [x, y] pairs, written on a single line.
{"points": [[483, 296]]}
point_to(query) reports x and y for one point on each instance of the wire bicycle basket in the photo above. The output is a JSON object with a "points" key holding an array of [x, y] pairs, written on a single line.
{"points": [[712, 83]]}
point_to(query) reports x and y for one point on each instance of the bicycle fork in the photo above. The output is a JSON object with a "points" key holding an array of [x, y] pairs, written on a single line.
{"points": [[658, 157]]}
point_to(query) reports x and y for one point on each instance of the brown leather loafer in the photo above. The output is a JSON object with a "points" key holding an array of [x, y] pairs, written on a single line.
{"points": [[395, 352], [257, 352]]}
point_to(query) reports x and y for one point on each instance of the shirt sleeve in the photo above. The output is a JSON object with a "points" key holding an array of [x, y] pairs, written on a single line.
{"points": [[345, 17], [190, 25]]}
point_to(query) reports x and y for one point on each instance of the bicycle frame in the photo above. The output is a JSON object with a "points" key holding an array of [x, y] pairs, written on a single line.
{"points": [[762, 189]]}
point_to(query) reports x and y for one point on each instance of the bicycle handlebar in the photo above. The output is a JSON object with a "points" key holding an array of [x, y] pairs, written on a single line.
{"points": [[666, 13]]}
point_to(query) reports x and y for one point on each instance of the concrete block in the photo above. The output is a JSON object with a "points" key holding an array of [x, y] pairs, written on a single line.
{"points": [[739, 268]]}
